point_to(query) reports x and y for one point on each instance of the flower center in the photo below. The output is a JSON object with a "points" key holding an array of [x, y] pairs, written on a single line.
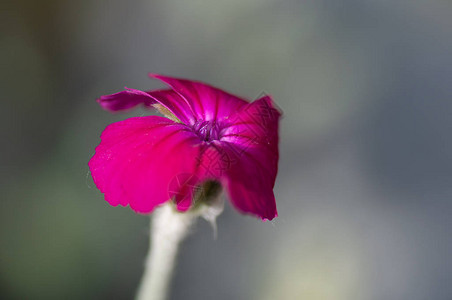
{"points": [[207, 130]]}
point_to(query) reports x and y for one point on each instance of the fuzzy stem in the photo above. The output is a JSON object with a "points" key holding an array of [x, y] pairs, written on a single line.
{"points": [[169, 228]]}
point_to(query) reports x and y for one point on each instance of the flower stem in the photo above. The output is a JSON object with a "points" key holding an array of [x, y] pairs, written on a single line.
{"points": [[169, 228]]}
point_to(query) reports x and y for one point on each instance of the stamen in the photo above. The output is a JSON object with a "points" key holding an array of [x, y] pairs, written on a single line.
{"points": [[207, 130]]}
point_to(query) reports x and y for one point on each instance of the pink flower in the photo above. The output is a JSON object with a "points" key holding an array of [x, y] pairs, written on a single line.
{"points": [[214, 136]]}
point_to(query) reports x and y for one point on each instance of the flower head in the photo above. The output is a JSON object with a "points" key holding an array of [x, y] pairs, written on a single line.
{"points": [[209, 135]]}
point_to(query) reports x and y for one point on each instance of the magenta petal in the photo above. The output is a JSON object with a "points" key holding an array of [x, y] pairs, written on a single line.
{"points": [[140, 162], [125, 100], [130, 98], [174, 103], [186, 184], [205, 102], [250, 144], [250, 187]]}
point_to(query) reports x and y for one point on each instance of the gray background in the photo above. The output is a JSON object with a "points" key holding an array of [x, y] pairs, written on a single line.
{"points": [[365, 182]]}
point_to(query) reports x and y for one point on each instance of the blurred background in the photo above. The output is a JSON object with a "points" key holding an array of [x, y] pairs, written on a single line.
{"points": [[364, 190]]}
